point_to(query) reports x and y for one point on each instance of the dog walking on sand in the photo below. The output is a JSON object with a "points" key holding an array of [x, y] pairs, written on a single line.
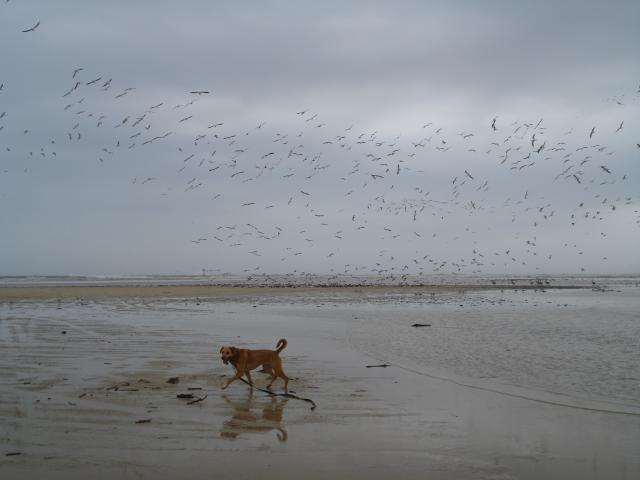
{"points": [[245, 360]]}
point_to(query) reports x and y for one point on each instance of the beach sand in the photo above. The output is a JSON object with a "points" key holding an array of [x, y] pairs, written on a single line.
{"points": [[84, 394]]}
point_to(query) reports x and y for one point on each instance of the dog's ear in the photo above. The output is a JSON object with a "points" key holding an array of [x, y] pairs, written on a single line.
{"points": [[221, 349], [235, 351]]}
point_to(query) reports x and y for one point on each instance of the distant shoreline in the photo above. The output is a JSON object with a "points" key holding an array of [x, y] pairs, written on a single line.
{"points": [[158, 291]]}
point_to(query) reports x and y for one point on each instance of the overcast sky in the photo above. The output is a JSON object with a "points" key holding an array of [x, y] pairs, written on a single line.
{"points": [[358, 137]]}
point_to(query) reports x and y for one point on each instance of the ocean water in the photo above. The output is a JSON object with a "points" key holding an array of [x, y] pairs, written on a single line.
{"points": [[577, 347]]}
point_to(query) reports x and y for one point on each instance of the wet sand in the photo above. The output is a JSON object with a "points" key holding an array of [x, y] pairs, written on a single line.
{"points": [[84, 394], [15, 293], [135, 291]]}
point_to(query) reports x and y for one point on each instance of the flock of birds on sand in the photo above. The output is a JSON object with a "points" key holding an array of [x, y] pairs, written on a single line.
{"points": [[309, 190]]}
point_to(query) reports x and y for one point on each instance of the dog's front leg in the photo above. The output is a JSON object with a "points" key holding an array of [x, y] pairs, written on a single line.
{"points": [[248, 374], [235, 377], [240, 368]]}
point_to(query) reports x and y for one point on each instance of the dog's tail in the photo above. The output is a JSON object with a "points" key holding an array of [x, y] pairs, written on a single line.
{"points": [[282, 343]]}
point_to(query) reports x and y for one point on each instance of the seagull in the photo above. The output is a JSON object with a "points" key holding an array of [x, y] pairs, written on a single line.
{"points": [[592, 132], [620, 127], [94, 81], [32, 29]]}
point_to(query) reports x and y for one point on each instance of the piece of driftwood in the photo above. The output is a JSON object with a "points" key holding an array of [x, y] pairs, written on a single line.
{"points": [[144, 420], [382, 365], [174, 380], [421, 325], [286, 395], [118, 385], [199, 399], [12, 454], [184, 395]]}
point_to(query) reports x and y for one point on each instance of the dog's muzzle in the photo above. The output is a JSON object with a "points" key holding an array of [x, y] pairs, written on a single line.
{"points": [[225, 361]]}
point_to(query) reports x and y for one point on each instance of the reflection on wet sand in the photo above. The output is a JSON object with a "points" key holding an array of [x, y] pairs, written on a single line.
{"points": [[246, 416]]}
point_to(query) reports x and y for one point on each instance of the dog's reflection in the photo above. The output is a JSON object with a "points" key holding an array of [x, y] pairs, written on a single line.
{"points": [[247, 417]]}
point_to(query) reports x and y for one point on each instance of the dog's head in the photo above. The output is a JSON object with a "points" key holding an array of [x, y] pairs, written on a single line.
{"points": [[228, 353]]}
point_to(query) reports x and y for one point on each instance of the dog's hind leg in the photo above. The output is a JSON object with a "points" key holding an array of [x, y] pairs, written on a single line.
{"points": [[267, 368], [286, 381], [279, 373]]}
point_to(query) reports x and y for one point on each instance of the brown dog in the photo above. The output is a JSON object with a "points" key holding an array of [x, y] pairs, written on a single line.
{"points": [[245, 360]]}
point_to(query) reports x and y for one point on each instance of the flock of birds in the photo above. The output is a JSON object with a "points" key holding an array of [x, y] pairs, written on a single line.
{"points": [[312, 194]]}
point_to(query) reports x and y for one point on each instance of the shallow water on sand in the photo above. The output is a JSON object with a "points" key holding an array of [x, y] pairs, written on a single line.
{"points": [[572, 346], [581, 344]]}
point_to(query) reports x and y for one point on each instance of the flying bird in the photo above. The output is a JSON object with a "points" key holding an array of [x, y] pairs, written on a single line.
{"points": [[94, 81], [32, 29]]}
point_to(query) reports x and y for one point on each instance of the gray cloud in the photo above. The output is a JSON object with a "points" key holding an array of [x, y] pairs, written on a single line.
{"points": [[97, 206]]}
